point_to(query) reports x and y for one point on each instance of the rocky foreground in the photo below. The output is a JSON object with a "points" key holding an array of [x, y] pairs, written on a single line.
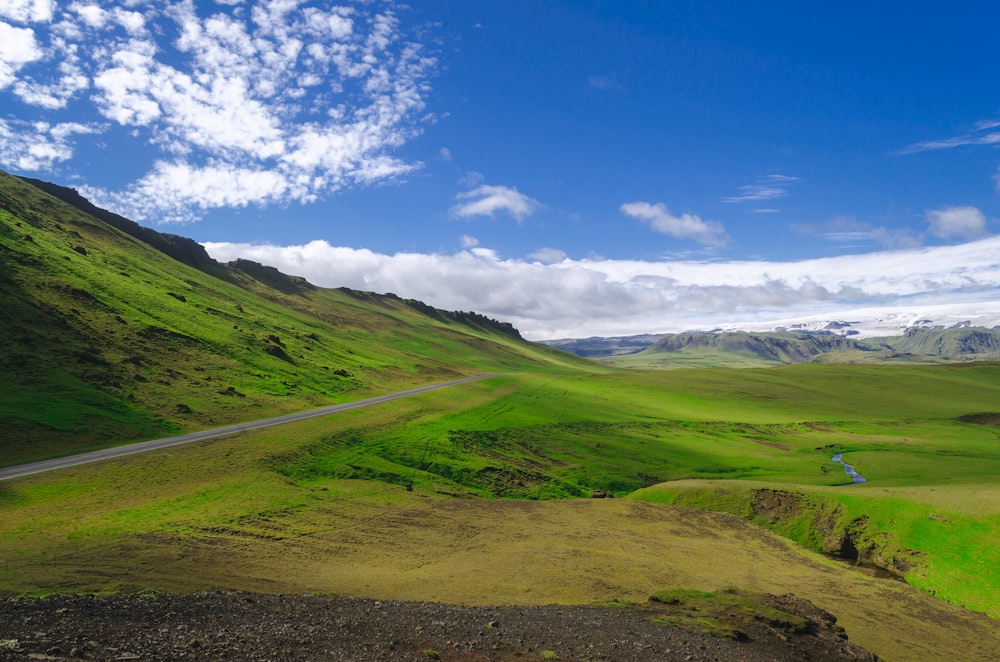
{"points": [[244, 626]]}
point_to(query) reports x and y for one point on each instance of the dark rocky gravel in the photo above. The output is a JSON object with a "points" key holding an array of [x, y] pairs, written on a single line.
{"points": [[244, 626]]}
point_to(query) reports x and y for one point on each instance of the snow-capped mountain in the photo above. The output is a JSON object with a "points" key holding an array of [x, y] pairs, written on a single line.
{"points": [[876, 322]]}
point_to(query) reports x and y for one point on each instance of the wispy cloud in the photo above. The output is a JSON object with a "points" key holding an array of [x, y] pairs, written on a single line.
{"points": [[486, 200], [768, 187], [850, 231], [38, 145], [986, 132], [685, 226], [250, 103], [959, 223], [604, 83], [578, 298]]}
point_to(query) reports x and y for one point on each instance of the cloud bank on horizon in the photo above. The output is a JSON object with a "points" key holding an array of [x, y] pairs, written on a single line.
{"points": [[600, 297], [650, 169]]}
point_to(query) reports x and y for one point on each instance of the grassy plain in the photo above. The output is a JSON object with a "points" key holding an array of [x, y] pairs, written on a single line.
{"points": [[322, 505], [693, 358]]}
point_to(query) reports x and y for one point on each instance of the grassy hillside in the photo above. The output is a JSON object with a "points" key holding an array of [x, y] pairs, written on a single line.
{"points": [[108, 339], [950, 343]]}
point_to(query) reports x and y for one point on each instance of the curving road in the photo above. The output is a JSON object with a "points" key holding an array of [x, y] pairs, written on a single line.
{"points": [[153, 444]]}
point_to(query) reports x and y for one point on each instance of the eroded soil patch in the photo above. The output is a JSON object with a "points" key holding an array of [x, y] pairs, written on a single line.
{"points": [[250, 626]]}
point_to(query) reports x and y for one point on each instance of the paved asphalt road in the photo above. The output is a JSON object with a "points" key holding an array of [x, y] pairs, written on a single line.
{"points": [[142, 446]]}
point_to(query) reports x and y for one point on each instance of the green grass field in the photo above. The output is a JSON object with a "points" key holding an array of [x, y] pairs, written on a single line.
{"points": [[322, 505]]}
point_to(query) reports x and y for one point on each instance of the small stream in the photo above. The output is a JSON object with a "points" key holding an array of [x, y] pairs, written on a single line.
{"points": [[848, 469]]}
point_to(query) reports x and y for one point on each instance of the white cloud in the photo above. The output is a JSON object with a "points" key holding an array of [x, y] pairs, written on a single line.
{"points": [[685, 226], [469, 242], [486, 200], [579, 298], [37, 145], [27, 11], [92, 15], [57, 93], [263, 102], [17, 48], [963, 222], [177, 185]]}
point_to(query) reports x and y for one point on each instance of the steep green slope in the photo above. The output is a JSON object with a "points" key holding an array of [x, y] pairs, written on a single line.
{"points": [[108, 339]]}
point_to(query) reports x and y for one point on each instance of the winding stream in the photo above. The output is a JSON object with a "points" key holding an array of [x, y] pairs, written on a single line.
{"points": [[848, 469]]}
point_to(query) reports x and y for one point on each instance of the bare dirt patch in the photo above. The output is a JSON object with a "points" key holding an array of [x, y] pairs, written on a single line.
{"points": [[983, 418], [298, 627]]}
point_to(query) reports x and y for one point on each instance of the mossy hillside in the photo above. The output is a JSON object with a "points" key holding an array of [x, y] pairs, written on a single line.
{"points": [[937, 542], [108, 340], [725, 613]]}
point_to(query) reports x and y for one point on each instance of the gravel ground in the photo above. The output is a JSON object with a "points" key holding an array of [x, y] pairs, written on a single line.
{"points": [[245, 626]]}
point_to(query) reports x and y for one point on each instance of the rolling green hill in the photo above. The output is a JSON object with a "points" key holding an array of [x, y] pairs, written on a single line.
{"points": [[115, 333]]}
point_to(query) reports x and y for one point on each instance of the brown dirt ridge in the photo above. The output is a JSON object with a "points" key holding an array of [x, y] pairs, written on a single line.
{"points": [[251, 626]]}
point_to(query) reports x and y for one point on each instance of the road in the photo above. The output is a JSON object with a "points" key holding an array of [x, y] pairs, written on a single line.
{"points": [[166, 442]]}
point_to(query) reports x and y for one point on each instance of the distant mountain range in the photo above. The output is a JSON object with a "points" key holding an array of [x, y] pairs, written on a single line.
{"points": [[834, 344]]}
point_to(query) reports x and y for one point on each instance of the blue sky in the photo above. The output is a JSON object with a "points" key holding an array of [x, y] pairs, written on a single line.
{"points": [[577, 168]]}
